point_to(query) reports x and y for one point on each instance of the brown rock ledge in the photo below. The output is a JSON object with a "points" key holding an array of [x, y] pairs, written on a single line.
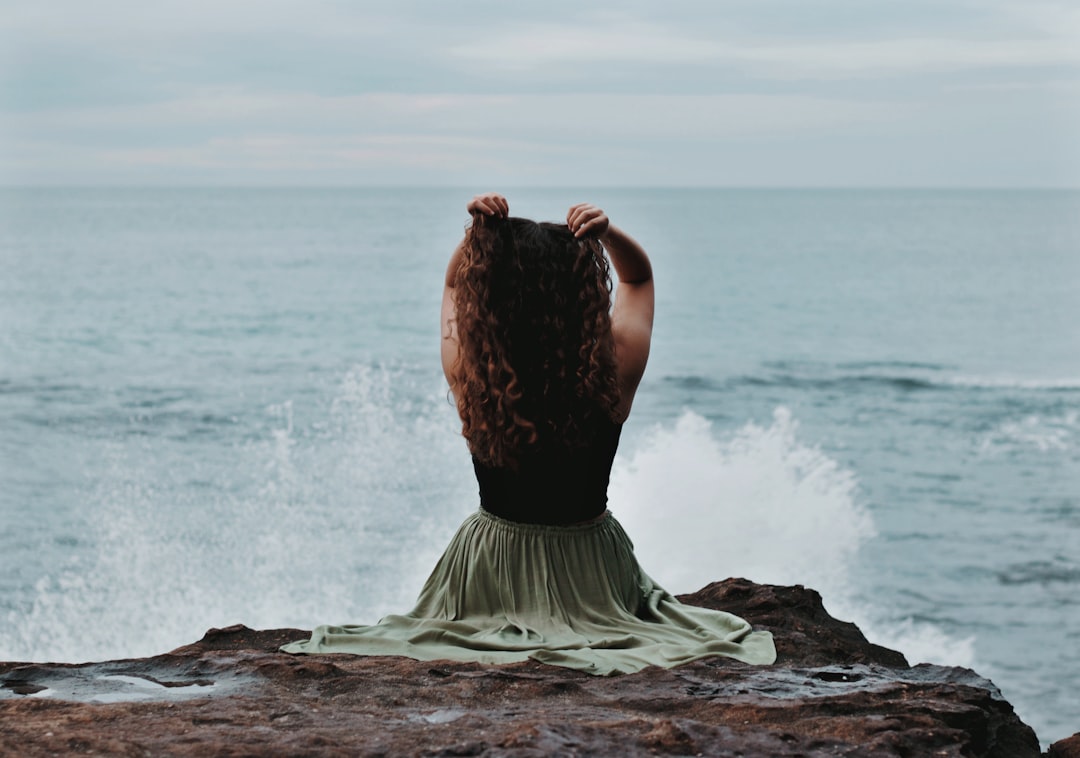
{"points": [[830, 693]]}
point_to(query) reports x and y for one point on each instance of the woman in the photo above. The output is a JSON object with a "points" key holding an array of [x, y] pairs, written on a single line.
{"points": [[543, 370]]}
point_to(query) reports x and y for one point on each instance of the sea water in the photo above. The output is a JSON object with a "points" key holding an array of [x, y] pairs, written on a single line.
{"points": [[225, 406]]}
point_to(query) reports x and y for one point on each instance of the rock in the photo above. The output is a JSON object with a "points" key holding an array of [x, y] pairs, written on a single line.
{"points": [[830, 693], [1066, 748]]}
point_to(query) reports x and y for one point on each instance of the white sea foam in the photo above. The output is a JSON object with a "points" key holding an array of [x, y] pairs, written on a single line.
{"points": [[1041, 432], [762, 505], [921, 642], [335, 522], [759, 505]]}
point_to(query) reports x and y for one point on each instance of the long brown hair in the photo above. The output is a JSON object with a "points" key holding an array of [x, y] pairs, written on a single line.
{"points": [[536, 360]]}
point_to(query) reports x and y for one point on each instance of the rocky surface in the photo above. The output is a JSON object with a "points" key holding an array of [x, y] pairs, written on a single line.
{"points": [[830, 693], [1066, 748]]}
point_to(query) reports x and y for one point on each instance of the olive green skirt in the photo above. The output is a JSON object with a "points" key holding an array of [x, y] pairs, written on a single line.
{"points": [[572, 596]]}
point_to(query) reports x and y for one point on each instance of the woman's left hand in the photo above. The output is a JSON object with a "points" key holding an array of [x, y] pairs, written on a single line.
{"points": [[490, 204], [585, 219]]}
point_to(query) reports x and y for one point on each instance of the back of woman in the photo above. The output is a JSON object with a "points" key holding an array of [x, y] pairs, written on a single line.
{"points": [[543, 368], [530, 356]]}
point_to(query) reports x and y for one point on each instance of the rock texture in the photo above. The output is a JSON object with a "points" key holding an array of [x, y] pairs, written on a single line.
{"points": [[1066, 748], [831, 693]]}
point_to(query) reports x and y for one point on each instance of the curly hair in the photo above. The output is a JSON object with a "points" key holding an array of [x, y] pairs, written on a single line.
{"points": [[536, 361]]}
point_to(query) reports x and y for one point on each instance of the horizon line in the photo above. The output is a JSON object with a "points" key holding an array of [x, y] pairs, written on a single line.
{"points": [[517, 187]]}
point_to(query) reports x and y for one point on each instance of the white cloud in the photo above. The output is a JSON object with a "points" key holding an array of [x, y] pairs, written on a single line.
{"points": [[548, 45], [1055, 20], [574, 116], [394, 137], [638, 92], [545, 44], [868, 59], [105, 22]]}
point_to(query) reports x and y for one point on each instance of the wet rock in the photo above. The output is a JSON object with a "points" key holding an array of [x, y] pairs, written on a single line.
{"points": [[831, 693], [1066, 748]]}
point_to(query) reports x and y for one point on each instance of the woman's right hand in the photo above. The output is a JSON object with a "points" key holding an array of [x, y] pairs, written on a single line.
{"points": [[489, 204], [585, 219]]}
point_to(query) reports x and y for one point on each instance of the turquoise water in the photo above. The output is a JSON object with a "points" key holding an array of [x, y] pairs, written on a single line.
{"points": [[223, 406]]}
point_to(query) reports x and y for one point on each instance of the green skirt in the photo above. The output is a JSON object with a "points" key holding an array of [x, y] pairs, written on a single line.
{"points": [[572, 596]]}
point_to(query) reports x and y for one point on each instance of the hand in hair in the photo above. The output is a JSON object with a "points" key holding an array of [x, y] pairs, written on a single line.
{"points": [[585, 219], [489, 204]]}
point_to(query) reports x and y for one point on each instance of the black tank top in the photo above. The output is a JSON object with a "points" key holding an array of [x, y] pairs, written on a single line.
{"points": [[552, 486]]}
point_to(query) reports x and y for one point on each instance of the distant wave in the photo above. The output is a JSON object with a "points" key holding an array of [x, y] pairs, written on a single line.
{"points": [[1040, 572], [868, 381], [97, 411], [854, 381], [9, 387], [978, 382], [865, 365], [111, 422]]}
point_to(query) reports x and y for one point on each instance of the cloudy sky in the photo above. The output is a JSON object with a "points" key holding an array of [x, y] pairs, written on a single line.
{"points": [[966, 93]]}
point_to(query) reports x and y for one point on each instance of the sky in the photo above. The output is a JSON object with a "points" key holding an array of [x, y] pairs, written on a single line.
{"points": [[684, 93]]}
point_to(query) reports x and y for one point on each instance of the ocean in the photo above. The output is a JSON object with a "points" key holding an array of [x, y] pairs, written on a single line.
{"points": [[225, 406]]}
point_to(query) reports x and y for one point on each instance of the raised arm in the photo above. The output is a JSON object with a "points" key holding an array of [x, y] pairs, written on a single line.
{"points": [[632, 316]]}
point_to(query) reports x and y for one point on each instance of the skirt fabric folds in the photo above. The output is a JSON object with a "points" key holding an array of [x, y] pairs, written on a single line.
{"points": [[572, 596]]}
